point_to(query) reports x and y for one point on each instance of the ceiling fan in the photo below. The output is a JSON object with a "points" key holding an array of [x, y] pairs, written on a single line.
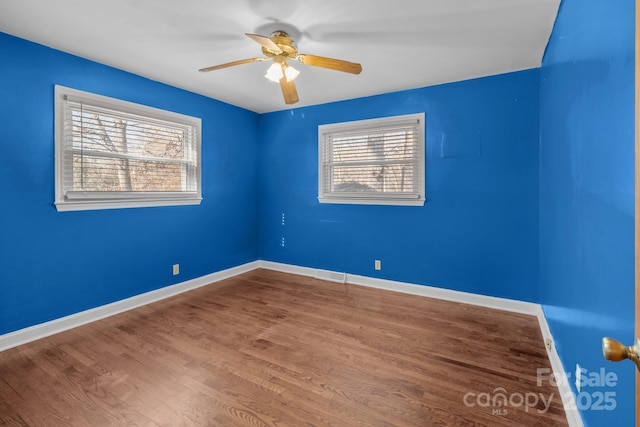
{"points": [[279, 48]]}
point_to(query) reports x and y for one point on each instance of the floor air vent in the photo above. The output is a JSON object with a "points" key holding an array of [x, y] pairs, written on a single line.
{"points": [[331, 275]]}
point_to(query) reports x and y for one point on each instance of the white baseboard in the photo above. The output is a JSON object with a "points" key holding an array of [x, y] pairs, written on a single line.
{"points": [[42, 330], [409, 288], [566, 394], [23, 336]]}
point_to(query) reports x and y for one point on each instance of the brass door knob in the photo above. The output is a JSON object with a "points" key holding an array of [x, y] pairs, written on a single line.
{"points": [[614, 351]]}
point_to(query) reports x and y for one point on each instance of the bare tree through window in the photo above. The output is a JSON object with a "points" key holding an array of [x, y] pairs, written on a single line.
{"points": [[118, 154], [378, 162]]}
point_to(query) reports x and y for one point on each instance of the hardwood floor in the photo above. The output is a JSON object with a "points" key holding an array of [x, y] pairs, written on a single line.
{"points": [[273, 349]]}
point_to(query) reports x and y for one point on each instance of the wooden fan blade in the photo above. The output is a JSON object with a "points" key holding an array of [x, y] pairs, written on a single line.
{"points": [[231, 64], [289, 91], [265, 42], [331, 63]]}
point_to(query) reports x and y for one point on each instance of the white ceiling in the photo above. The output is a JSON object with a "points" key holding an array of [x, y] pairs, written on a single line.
{"points": [[401, 44]]}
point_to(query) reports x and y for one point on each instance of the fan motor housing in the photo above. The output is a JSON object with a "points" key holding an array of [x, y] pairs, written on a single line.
{"points": [[284, 42]]}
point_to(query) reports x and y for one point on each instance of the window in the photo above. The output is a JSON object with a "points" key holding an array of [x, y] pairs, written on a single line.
{"points": [[376, 162], [116, 154]]}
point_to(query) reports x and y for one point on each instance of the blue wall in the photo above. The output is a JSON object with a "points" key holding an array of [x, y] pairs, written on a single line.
{"points": [[57, 263], [478, 230], [587, 194]]}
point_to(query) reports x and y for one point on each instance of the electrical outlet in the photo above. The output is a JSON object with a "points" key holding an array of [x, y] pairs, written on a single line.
{"points": [[176, 269], [378, 264]]}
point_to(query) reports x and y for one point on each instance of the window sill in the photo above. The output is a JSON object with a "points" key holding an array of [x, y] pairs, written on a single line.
{"points": [[78, 205], [363, 201]]}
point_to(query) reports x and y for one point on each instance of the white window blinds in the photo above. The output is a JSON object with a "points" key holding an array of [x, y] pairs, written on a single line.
{"points": [[378, 161], [111, 153]]}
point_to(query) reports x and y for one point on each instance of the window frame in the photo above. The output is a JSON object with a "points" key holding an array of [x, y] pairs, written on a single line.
{"points": [[414, 199], [69, 200]]}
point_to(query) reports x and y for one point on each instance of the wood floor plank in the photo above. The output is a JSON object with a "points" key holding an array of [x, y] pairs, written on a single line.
{"points": [[272, 349]]}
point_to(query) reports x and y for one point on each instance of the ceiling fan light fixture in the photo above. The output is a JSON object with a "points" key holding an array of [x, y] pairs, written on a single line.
{"points": [[280, 48], [274, 73], [290, 73]]}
